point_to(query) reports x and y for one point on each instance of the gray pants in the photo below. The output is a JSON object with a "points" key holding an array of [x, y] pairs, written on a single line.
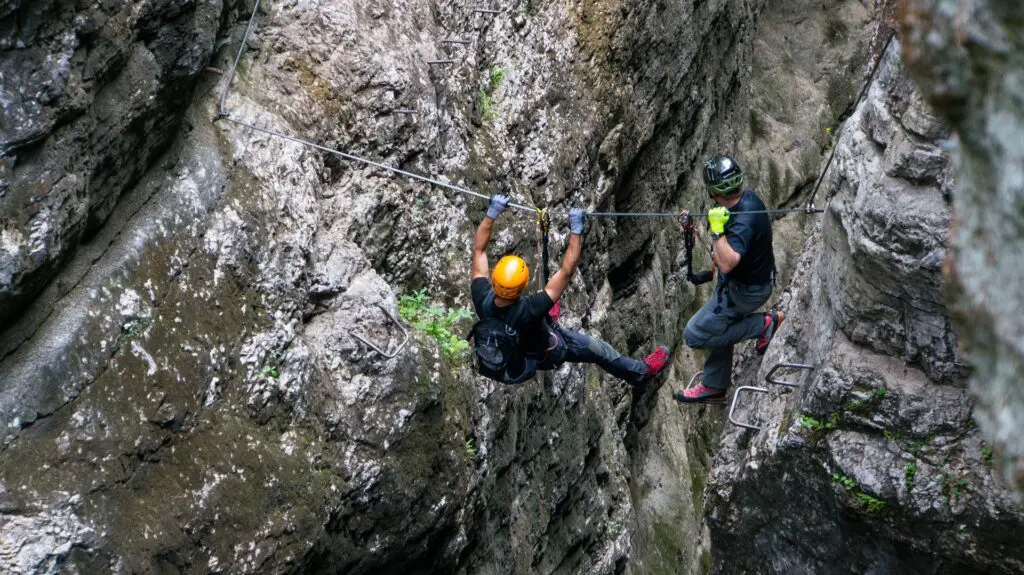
{"points": [[722, 321], [578, 347]]}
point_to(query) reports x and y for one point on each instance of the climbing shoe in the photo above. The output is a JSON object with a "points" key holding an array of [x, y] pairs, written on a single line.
{"points": [[701, 394], [656, 362], [772, 321]]}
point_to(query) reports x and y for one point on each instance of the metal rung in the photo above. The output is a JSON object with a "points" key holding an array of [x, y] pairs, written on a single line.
{"points": [[732, 408], [693, 379], [463, 42], [441, 62], [768, 377], [377, 349], [404, 111], [487, 11]]}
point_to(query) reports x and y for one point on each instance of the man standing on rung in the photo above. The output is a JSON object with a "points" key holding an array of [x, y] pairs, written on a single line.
{"points": [[742, 253], [515, 336]]}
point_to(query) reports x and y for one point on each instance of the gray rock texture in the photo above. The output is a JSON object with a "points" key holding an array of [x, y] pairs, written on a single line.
{"points": [[91, 96], [874, 462], [187, 393], [968, 58]]}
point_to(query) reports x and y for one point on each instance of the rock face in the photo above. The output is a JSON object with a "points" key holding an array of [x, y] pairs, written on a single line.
{"points": [[969, 60], [188, 394], [873, 462], [91, 96]]}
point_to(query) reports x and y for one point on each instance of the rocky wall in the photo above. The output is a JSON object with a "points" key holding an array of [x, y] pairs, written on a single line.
{"points": [[968, 58], [874, 461], [187, 394], [91, 96]]}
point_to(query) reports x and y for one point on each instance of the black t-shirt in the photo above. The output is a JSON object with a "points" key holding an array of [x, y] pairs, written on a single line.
{"points": [[526, 315], [751, 236]]}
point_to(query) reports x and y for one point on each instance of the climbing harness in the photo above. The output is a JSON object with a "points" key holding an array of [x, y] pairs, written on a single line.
{"points": [[769, 377]]}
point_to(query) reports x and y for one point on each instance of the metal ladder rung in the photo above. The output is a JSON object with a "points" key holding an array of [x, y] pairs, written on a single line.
{"points": [[374, 347], [732, 408], [770, 378]]}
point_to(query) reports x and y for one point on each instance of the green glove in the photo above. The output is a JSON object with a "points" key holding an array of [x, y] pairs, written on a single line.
{"points": [[717, 218]]}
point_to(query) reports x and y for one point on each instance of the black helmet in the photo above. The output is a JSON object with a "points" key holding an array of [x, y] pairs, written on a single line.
{"points": [[722, 176]]}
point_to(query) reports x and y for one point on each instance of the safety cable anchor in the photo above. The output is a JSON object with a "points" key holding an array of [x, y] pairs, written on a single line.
{"points": [[374, 347], [544, 220], [686, 220]]}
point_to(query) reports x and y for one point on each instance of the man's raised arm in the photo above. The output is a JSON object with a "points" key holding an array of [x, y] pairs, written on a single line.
{"points": [[560, 281], [483, 235]]}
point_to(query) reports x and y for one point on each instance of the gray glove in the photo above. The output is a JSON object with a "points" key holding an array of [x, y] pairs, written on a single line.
{"points": [[576, 218], [498, 205]]}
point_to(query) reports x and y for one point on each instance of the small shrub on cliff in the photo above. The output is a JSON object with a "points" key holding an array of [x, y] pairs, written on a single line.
{"points": [[808, 422], [846, 481], [435, 321], [871, 503], [486, 108], [909, 471]]}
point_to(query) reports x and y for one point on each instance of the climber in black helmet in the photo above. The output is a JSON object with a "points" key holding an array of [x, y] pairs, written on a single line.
{"points": [[515, 336], [742, 254]]}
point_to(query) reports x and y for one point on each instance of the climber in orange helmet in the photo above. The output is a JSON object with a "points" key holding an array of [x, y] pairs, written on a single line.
{"points": [[515, 336]]}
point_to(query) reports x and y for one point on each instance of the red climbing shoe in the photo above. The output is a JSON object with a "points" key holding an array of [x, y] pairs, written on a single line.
{"points": [[701, 394], [772, 321], [555, 311], [656, 362]]}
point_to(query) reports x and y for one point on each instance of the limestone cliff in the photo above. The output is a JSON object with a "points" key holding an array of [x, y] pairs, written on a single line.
{"points": [[188, 394], [873, 462], [968, 58]]}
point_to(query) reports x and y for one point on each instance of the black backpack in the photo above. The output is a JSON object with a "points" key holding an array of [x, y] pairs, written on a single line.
{"points": [[498, 355]]}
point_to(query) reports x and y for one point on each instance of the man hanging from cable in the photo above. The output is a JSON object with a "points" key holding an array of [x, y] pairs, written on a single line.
{"points": [[742, 253], [515, 336]]}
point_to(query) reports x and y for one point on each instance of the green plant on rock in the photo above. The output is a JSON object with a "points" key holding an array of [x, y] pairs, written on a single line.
{"points": [[470, 448], [614, 527], [952, 486], [486, 109], [871, 503], [497, 77], [270, 371], [845, 480], [986, 455], [909, 471], [808, 422], [436, 322]]}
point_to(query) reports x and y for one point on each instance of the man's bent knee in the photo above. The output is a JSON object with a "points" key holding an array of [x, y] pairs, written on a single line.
{"points": [[693, 340]]}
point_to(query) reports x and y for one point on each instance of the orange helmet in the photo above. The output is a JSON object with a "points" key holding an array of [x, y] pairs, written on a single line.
{"points": [[510, 277]]}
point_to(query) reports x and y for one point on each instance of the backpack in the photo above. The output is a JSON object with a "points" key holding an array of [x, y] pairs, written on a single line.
{"points": [[498, 355]]}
